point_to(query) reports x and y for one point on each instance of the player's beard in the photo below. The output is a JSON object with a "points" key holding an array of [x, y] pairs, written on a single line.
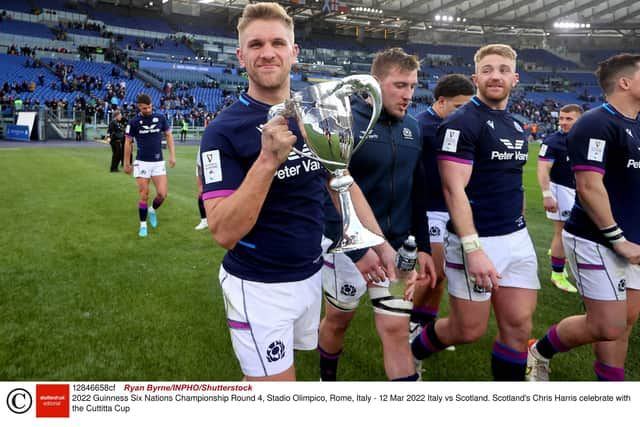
{"points": [[492, 97], [268, 80]]}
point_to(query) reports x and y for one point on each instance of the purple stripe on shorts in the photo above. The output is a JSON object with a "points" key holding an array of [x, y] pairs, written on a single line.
{"points": [[555, 340], [234, 324], [329, 264], [591, 266], [608, 373], [142, 205], [215, 194], [454, 265], [588, 168], [455, 159]]}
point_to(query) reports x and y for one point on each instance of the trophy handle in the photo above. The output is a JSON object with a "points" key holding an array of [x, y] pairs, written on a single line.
{"points": [[366, 83]]}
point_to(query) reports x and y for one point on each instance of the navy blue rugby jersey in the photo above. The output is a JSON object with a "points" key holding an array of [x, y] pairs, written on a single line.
{"points": [[554, 149], [284, 244], [605, 141], [494, 142], [429, 122], [148, 131]]}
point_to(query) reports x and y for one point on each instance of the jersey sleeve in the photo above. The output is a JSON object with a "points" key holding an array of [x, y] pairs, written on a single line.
{"points": [[547, 153], [165, 124], [130, 130], [222, 172], [588, 144], [456, 139]]}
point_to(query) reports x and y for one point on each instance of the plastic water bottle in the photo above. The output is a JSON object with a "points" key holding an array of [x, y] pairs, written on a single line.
{"points": [[406, 262], [407, 257]]}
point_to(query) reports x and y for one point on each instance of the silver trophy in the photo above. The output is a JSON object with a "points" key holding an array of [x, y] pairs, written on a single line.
{"points": [[323, 113]]}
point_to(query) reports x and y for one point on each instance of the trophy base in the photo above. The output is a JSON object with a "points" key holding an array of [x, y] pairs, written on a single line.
{"points": [[362, 240]]}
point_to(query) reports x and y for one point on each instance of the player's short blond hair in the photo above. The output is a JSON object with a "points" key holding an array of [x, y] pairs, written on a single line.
{"points": [[503, 50], [266, 12], [387, 60]]}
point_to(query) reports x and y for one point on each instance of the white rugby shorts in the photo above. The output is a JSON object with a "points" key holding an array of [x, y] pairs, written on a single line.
{"points": [[512, 255], [341, 280], [601, 274], [565, 197], [437, 225], [267, 321], [142, 169]]}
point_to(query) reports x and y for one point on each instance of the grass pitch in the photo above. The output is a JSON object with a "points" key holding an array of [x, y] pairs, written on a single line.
{"points": [[83, 298]]}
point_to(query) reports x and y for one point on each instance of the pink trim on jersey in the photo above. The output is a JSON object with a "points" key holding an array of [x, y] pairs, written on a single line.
{"points": [[544, 159], [588, 168], [215, 194], [455, 159]]}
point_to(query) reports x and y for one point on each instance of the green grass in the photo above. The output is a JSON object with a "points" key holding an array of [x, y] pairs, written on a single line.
{"points": [[83, 298]]}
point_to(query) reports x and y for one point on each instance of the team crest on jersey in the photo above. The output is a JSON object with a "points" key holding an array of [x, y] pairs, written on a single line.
{"points": [[629, 132], [155, 120], [491, 125], [517, 145], [275, 351], [407, 134], [518, 127]]}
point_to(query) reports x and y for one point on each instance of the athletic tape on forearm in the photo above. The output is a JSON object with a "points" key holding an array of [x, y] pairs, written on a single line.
{"points": [[470, 243], [613, 234]]}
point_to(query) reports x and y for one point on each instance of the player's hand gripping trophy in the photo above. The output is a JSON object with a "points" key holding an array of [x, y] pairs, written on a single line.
{"points": [[323, 113]]}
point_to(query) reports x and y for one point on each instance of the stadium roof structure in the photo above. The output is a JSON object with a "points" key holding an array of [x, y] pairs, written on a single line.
{"points": [[570, 18]]}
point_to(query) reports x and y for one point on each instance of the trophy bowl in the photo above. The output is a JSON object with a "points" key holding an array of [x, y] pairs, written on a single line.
{"points": [[323, 114]]}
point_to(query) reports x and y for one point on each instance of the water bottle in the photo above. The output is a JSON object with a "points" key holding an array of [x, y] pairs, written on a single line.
{"points": [[406, 262], [407, 257]]}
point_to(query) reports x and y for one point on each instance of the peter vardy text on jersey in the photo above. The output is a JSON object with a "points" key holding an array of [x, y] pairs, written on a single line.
{"points": [[509, 155], [290, 171]]}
